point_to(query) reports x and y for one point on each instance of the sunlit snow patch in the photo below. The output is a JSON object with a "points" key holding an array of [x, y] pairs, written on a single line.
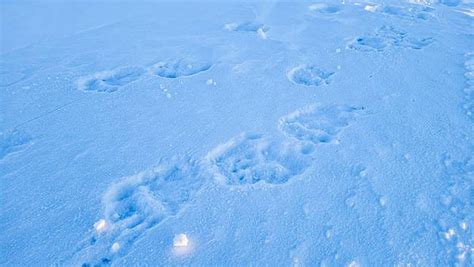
{"points": [[469, 12]]}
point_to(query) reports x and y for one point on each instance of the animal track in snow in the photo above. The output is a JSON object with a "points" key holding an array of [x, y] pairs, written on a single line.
{"points": [[252, 158], [136, 203], [180, 67], [318, 124], [386, 36], [468, 104], [416, 43], [109, 81], [455, 224], [410, 12], [133, 205], [325, 8], [309, 75], [255, 27], [246, 27], [12, 141]]}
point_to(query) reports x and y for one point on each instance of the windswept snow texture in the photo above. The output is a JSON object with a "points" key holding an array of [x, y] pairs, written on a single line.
{"points": [[469, 89], [12, 141], [237, 133]]}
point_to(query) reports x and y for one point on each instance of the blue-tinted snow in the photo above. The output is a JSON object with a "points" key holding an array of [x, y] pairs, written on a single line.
{"points": [[274, 133]]}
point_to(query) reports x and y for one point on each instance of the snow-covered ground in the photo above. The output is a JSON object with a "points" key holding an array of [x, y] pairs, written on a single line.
{"points": [[224, 133]]}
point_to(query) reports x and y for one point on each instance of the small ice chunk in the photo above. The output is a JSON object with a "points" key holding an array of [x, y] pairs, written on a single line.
{"points": [[296, 262], [100, 225], [371, 8], [231, 26], [211, 82], [115, 247], [180, 240], [449, 234], [261, 33], [383, 201]]}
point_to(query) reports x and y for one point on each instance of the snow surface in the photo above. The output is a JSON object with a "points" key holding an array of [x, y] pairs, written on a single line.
{"points": [[227, 133]]}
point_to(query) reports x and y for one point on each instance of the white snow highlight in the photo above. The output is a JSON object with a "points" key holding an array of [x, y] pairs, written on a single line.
{"points": [[371, 8], [115, 247], [100, 226], [211, 82], [180, 240], [261, 34], [182, 246]]}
